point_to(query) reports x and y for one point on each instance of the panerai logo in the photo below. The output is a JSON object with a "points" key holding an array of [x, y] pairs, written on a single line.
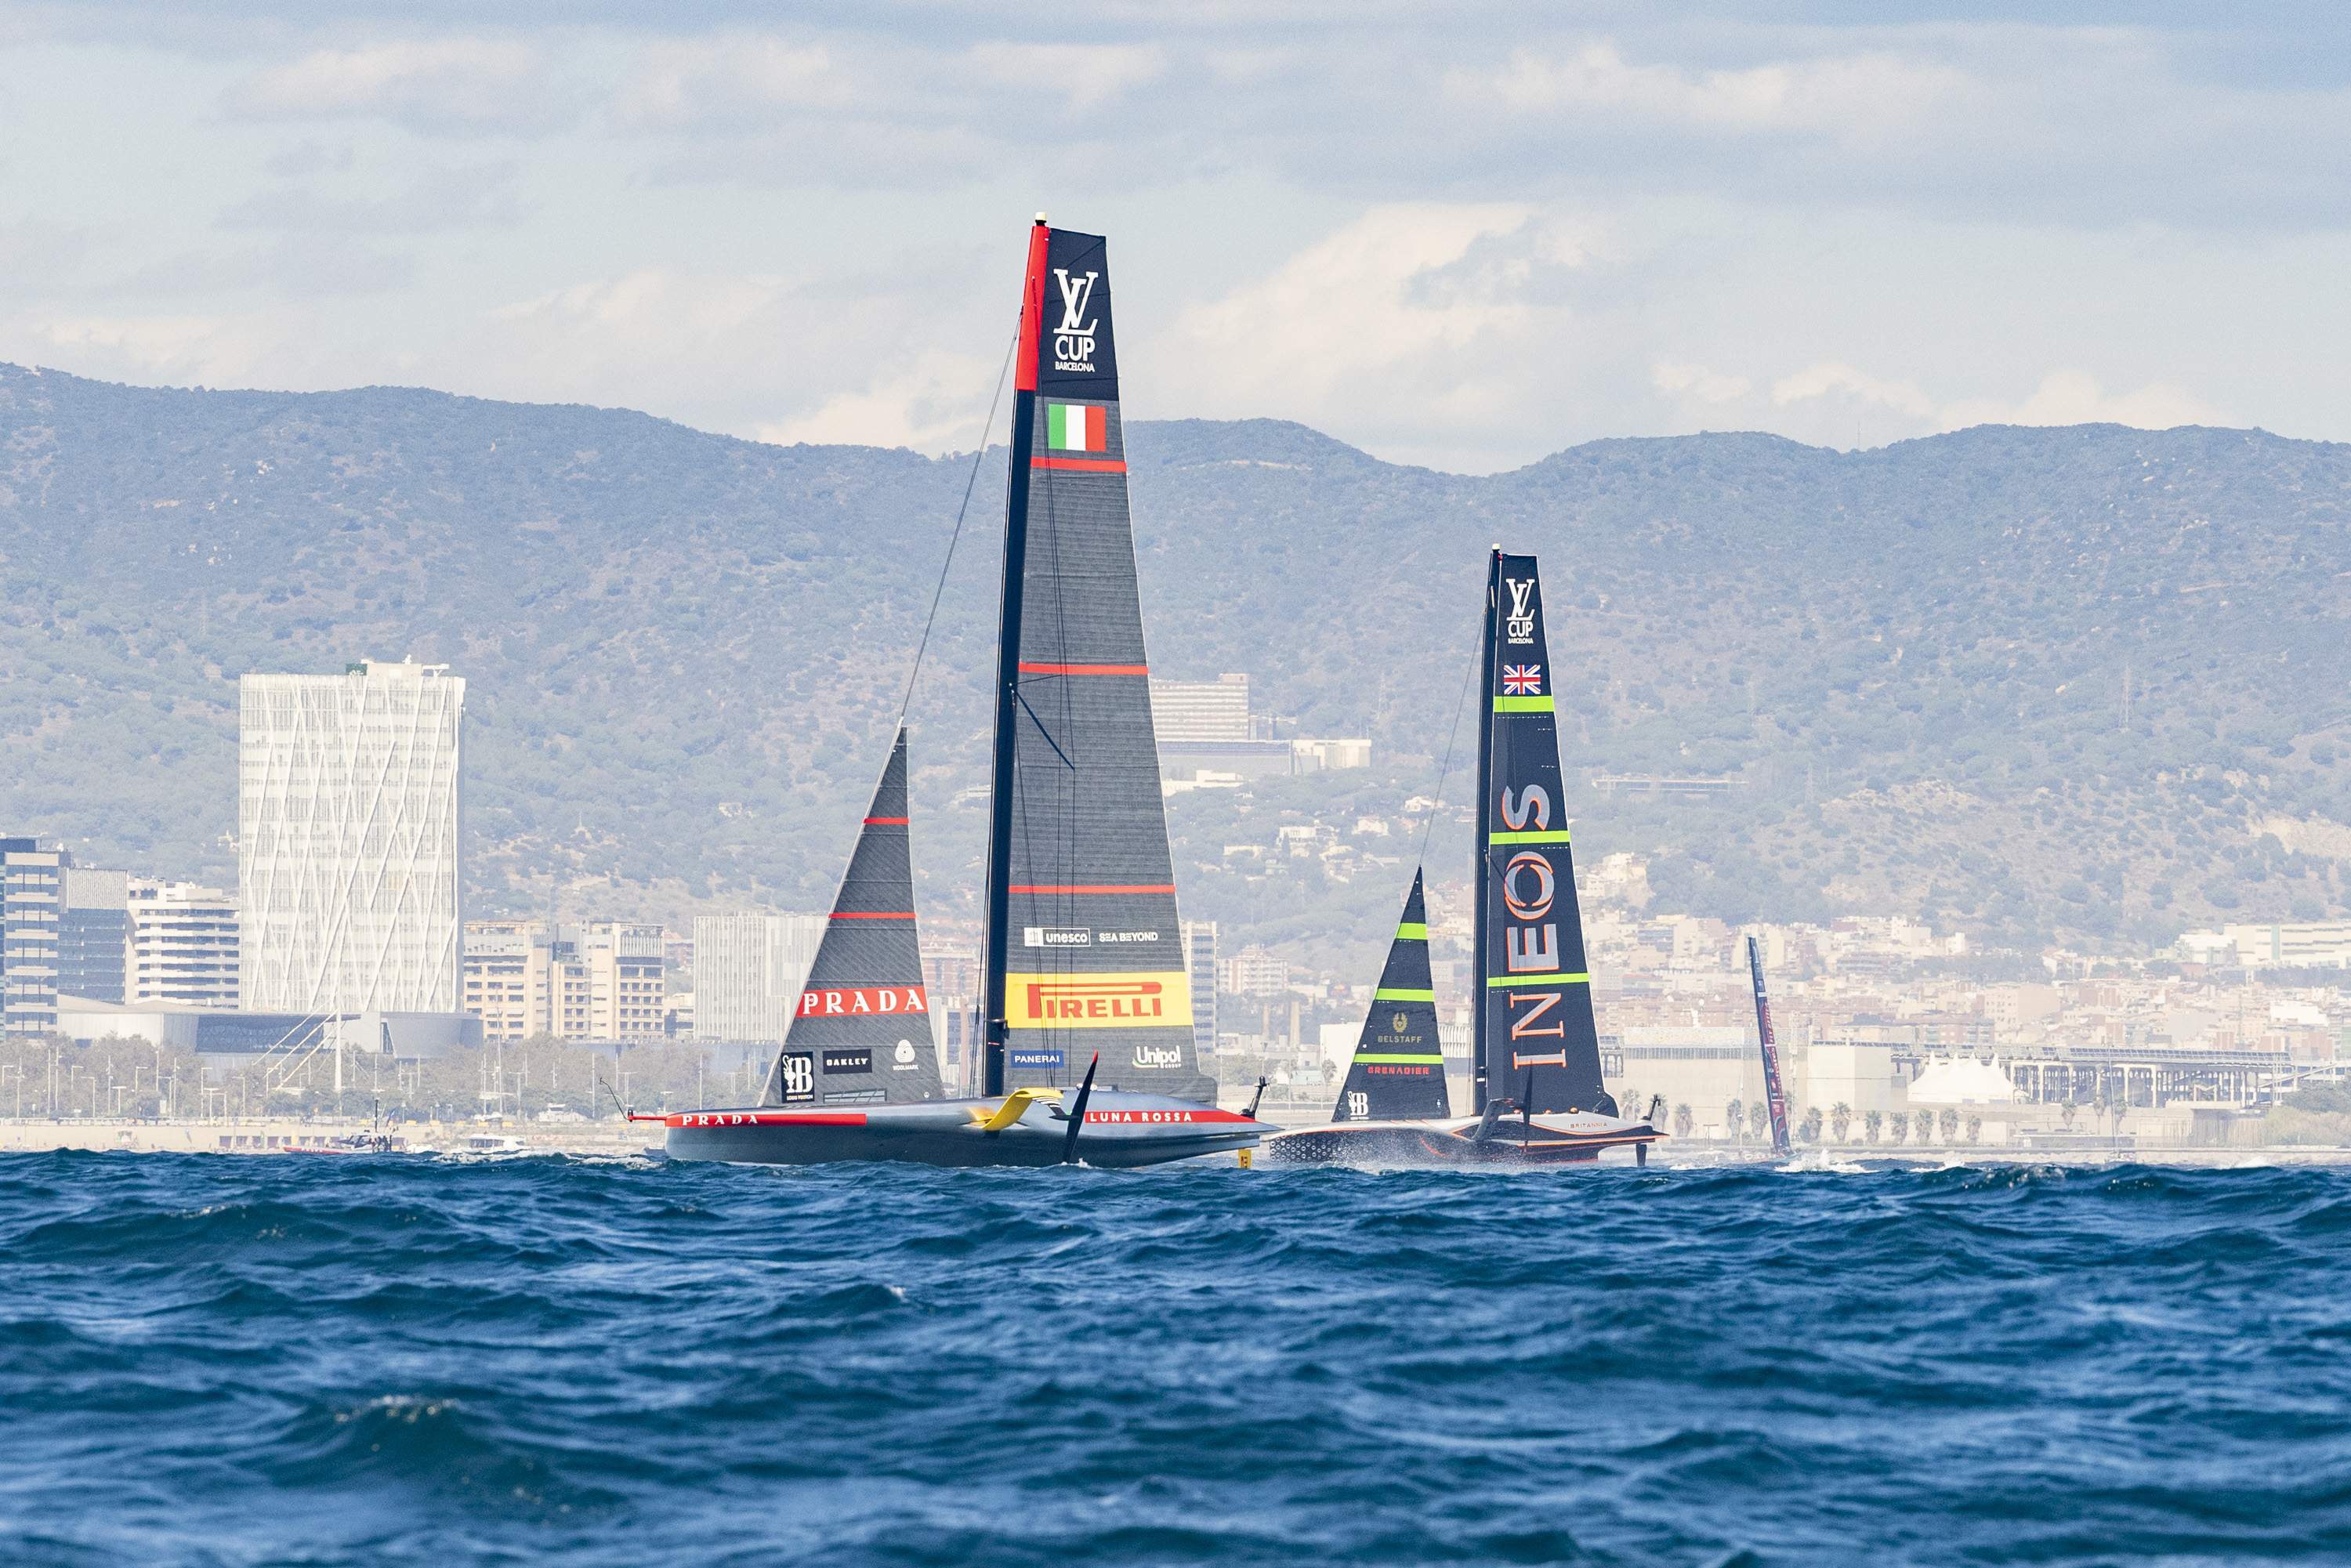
{"points": [[1519, 625], [1074, 340]]}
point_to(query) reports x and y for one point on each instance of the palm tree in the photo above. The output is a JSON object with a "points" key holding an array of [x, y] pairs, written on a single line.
{"points": [[1975, 1127], [2066, 1116], [1758, 1118], [1683, 1120], [1734, 1117], [1951, 1120], [1871, 1121], [1899, 1125], [1840, 1118], [1809, 1129]]}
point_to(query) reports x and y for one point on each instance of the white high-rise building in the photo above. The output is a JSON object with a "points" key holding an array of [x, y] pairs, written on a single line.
{"points": [[347, 840], [180, 945], [748, 973]]}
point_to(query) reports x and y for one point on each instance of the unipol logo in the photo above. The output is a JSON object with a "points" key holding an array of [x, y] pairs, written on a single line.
{"points": [[1519, 625], [1074, 340], [1158, 1056]]}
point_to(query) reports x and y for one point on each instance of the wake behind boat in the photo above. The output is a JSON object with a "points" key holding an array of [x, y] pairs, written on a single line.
{"points": [[1536, 1048], [1084, 950]]}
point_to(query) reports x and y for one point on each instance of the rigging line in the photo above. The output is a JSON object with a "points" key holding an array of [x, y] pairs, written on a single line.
{"points": [[1455, 734], [994, 400]]}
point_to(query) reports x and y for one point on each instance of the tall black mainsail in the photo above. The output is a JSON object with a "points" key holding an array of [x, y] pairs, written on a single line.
{"points": [[1084, 951], [860, 1034], [1536, 1039], [1398, 1072]]}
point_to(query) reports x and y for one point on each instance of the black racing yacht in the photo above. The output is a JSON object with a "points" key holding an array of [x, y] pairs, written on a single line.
{"points": [[1536, 1045], [1084, 961]]}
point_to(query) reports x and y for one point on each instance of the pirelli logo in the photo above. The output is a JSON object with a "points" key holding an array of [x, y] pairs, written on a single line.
{"points": [[1098, 1001]]}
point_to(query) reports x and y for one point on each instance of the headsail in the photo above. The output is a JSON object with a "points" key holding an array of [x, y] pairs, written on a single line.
{"points": [[1537, 1042], [1398, 1074], [1769, 1041], [860, 1034], [1084, 951]]}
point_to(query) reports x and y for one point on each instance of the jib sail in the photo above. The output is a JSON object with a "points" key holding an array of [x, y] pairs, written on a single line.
{"points": [[1536, 1042], [1084, 951], [1398, 1074], [860, 1034]]}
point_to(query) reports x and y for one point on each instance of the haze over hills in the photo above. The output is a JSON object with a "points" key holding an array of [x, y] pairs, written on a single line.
{"points": [[2091, 683]]}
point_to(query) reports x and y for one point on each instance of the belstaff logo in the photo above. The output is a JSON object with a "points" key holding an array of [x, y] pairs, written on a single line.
{"points": [[1396, 1024], [1074, 340], [1519, 625], [1098, 1001]]}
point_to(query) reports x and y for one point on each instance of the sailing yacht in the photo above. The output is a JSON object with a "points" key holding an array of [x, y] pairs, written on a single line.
{"points": [[1535, 1052], [1084, 963]]}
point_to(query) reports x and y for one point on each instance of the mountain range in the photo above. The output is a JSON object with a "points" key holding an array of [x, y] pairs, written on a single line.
{"points": [[2089, 684]]}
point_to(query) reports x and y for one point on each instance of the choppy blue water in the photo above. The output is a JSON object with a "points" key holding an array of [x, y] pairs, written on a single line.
{"points": [[222, 1360]]}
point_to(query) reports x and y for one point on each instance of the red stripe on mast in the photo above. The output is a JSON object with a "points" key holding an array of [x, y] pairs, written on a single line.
{"points": [[1032, 308]]}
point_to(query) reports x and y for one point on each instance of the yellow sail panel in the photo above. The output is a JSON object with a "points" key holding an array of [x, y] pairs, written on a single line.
{"points": [[1141, 1000]]}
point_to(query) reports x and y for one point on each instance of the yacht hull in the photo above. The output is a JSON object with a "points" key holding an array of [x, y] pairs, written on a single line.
{"points": [[1123, 1131], [1567, 1138]]}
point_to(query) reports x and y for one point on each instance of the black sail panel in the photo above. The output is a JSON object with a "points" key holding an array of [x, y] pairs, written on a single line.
{"points": [[1539, 1041], [1398, 1072], [1085, 950], [860, 1034]]}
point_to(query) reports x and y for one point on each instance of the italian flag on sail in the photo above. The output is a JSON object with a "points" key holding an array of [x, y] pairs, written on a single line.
{"points": [[1076, 427]]}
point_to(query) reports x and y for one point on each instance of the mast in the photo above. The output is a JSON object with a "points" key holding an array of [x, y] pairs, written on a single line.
{"points": [[1008, 659], [1772, 1094], [1478, 848]]}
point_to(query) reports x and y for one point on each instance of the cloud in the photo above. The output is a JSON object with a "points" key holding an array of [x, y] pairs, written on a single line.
{"points": [[201, 349], [1849, 95], [1835, 379], [438, 200], [1083, 76], [927, 406], [730, 81], [1699, 382], [435, 87], [2075, 397]]}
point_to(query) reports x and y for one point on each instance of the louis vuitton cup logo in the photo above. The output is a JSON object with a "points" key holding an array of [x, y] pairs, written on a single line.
{"points": [[1074, 340], [1519, 625]]}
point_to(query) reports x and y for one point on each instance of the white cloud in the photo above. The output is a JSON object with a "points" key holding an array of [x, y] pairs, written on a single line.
{"points": [[1083, 76], [432, 86], [1846, 94], [2075, 397], [1835, 379], [741, 80], [927, 406], [182, 348], [1705, 385]]}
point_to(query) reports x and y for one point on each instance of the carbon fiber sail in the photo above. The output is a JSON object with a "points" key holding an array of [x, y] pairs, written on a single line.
{"points": [[1536, 1042], [860, 1034], [1084, 951], [1398, 1072], [1769, 1042]]}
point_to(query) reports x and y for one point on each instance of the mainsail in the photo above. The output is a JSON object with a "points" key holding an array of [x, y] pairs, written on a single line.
{"points": [[1084, 950], [1398, 1074], [1769, 1042], [1536, 1041], [860, 1034]]}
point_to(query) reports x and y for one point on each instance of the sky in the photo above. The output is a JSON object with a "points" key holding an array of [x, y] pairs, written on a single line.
{"points": [[1464, 236]]}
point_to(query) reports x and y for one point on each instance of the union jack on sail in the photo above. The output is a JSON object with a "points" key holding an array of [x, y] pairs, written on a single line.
{"points": [[1523, 680]]}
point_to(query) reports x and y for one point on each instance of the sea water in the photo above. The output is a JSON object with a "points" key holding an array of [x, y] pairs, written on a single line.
{"points": [[389, 1360]]}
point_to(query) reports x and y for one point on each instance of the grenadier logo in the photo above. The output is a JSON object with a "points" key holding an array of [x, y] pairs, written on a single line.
{"points": [[1142, 1000], [860, 1001]]}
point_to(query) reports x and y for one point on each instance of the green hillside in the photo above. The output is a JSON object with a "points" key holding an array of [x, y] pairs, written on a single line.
{"points": [[2090, 682]]}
